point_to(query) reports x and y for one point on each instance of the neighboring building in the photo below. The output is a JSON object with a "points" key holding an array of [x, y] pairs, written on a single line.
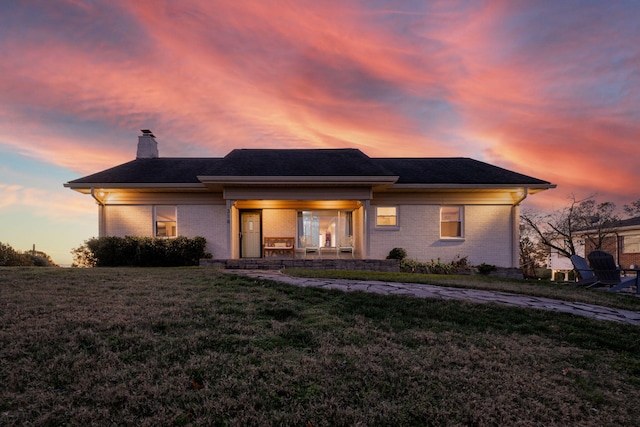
{"points": [[320, 200], [623, 243], [560, 265]]}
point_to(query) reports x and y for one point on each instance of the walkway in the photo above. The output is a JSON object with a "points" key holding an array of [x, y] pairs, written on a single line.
{"points": [[441, 292]]}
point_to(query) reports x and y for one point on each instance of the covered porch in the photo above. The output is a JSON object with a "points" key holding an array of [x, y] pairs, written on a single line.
{"points": [[297, 229]]}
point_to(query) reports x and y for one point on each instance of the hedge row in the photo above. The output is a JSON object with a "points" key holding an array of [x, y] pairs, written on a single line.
{"points": [[140, 251]]}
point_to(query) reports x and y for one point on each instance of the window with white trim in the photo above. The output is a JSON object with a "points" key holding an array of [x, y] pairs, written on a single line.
{"points": [[451, 221], [165, 221], [386, 216]]}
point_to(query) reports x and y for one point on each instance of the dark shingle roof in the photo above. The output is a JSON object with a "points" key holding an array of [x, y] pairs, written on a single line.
{"points": [[159, 170], [308, 163], [314, 162], [629, 222], [457, 170]]}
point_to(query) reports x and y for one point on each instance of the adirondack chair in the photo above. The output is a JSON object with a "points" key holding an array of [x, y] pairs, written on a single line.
{"points": [[605, 269], [583, 271]]}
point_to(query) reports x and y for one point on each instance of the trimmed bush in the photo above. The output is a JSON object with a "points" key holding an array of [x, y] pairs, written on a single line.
{"points": [[397, 253], [140, 251], [486, 269]]}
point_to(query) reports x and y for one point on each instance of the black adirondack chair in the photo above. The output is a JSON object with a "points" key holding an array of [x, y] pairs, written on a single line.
{"points": [[607, 272]]}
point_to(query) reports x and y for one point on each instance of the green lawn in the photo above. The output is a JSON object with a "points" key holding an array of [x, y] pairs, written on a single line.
{"points": [[192, 346]]}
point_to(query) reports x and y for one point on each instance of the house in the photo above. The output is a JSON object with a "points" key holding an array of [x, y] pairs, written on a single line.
{"points": [[316, 203], [622, 241]]}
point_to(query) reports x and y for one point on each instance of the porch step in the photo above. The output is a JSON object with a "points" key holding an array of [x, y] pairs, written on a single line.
{"points": [[391, 265]]}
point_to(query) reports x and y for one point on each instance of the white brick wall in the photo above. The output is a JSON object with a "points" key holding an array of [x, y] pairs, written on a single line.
{"points": [[129, 220], [487, 230], [279, 222], [487, 235], [208, 221]]}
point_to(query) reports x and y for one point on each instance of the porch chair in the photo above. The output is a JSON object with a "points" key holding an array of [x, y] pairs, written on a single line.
{"points": [[308, 249], [608, 273], [584, 273], [346, 246]]}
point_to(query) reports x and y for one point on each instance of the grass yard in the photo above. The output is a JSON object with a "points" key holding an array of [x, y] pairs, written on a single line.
{"points": [[191, 346]]}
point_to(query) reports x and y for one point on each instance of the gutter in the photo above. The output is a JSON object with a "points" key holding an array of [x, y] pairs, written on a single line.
{"points": [[515, 229], [101, 220]]}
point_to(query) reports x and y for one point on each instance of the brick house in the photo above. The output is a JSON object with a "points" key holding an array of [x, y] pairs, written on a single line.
{"points": [[623, 243], [256, 203]]}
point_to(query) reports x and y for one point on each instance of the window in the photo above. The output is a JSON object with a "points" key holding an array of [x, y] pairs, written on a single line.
{"points": [[324, 228], [631, 244], [451, 221], [165, 221], [386, 216]]}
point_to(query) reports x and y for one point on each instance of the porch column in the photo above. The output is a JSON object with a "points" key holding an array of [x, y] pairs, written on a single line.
{"points": [[229, 229], [102, 222], [366, 232], [515, 236]]}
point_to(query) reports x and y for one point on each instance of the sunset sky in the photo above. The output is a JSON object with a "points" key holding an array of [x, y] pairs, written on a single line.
{"points": [[550, 89]]}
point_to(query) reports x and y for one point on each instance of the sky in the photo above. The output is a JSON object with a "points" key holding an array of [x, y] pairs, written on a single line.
{"points": [[548, 88]]}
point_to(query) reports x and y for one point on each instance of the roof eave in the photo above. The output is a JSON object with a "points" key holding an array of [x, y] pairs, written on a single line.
{"points": [[298, 180], [86, 187], [532, 188]]}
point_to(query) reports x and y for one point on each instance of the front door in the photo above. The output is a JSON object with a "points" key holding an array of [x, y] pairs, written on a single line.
{"points": [[250, 235]]}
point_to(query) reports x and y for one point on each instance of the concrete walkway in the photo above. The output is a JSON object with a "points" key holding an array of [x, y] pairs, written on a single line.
{"points": [[441, 292]]}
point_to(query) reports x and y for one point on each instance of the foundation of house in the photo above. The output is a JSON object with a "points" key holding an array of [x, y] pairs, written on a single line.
{"points": [[272, 263]]}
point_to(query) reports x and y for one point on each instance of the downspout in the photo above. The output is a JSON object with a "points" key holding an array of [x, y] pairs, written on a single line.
{"points": [[101, 219], [367, 229], [515, 229]]}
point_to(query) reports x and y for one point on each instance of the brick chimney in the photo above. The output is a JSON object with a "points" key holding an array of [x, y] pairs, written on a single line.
{"points": [[147, 145]]}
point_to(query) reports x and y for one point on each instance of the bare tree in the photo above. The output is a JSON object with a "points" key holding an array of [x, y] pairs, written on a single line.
{"points": [[532, 253], [568, 228], [633, 209]]}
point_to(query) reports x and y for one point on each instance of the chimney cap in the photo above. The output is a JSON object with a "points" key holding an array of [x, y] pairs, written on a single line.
{"points": [[147, 132]]}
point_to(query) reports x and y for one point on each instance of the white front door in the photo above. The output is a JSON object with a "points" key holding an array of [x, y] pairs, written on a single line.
{"points": [[251, 245]]}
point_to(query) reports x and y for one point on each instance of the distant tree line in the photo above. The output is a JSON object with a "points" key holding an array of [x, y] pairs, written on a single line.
{"points": [[10, 257]]}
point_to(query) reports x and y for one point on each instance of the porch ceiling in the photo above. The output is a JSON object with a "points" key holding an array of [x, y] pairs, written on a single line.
{"points": [[297, 204]]}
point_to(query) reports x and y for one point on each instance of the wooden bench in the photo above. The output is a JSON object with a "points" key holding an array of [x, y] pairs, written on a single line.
{"points": [[274, 246]]}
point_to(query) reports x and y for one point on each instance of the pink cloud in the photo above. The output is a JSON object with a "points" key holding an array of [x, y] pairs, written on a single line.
{"points": [[56, 206], [436, 79]]}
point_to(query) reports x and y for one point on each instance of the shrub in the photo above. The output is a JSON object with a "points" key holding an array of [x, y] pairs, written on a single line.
{"points": [[486, 268], [460, 263], [397, 253], [434, 267], [140, 251], [9, 257]]}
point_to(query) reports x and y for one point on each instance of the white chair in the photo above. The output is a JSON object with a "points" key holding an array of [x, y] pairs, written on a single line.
{"points": [[308, 249], [346, 246]]}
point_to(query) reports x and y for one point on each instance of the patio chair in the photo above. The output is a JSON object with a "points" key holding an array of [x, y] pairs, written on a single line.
{"points": [[346, 246], [583, 271], [308, 249], [608, 273]]}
